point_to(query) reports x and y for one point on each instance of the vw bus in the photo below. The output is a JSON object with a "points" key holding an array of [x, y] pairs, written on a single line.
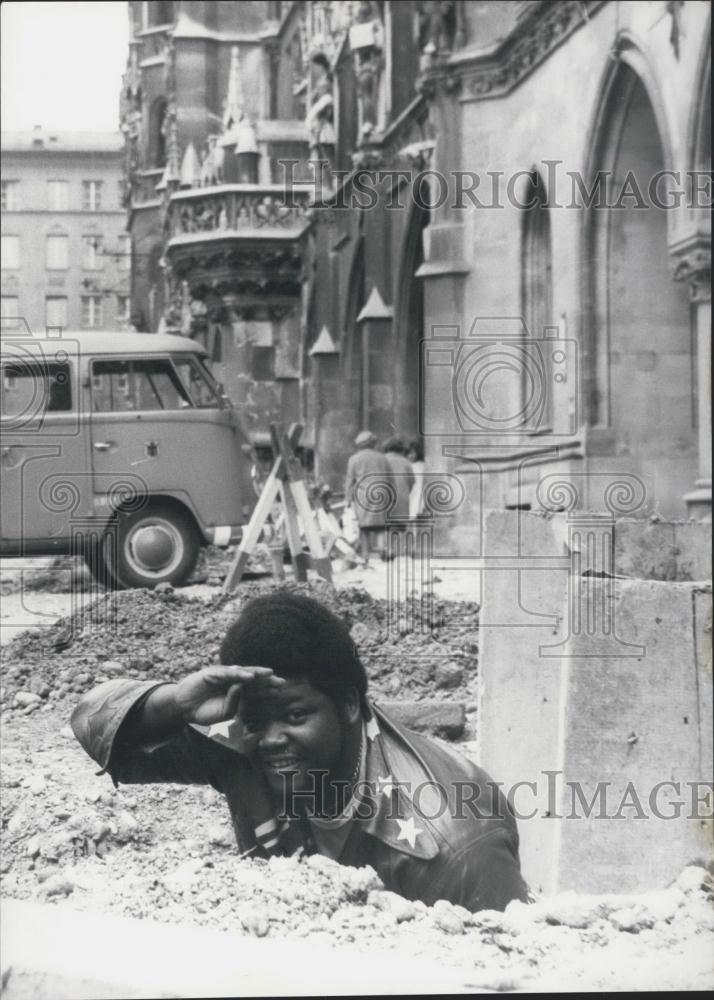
{"points": [[122, 448]]}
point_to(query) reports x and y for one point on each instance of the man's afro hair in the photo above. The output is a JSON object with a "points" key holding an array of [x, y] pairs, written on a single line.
{"points": [[298, 638]]}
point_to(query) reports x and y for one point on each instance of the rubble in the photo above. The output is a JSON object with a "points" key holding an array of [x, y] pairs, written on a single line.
{"points": [[166, 634]]}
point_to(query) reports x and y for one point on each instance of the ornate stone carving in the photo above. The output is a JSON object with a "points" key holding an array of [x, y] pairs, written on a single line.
{"points": [[239, 270], [692, 262], [532, 40], [320, 116], [236, 211], [130, 121]]}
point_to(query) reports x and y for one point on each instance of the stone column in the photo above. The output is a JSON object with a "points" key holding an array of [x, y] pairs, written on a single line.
{"points": [[692, 258], [375, 321]]}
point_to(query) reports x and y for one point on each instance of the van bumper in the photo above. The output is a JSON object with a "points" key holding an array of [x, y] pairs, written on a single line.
{"points": [[224, 535]]}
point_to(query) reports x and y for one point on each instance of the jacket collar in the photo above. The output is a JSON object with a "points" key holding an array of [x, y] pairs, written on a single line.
{"points": [[393, 820], [391, 817]]}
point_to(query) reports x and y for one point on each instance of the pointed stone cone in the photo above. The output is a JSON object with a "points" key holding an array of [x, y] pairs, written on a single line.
{"points": [[324, 344], [374, 308]]}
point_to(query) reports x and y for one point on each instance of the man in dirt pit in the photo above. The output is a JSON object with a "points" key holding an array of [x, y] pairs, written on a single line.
{"points": [[308, 763]]}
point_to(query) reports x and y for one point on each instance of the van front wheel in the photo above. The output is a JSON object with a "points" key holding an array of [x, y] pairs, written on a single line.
{"points": [[156, 545]]}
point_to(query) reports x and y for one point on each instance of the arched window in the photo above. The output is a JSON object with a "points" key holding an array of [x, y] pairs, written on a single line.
{"points": [[637, 334], [157, 133], [537, 268]]}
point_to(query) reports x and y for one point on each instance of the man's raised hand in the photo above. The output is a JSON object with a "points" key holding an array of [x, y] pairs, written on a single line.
{"points": [[211, 695]]}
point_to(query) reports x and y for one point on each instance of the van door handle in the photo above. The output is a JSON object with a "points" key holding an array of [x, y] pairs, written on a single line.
{"points": [[103, 445]]}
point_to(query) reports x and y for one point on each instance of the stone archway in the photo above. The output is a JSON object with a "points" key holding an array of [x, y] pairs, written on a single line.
{"points": [[639, 341]]}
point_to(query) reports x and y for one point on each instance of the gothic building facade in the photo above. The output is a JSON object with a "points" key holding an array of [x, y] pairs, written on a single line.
{"points": [[480, 224]]}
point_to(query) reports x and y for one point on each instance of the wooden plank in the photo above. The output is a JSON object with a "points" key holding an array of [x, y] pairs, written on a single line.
{"points": [[299, 559]]}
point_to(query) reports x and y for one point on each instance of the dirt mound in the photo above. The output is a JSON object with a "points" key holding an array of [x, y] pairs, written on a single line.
{"points": [[166, 634], [168, 852]]}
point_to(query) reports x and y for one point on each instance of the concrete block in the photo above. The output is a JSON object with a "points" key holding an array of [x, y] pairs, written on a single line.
{"points": [[703, 663], [444, 719], [519, 690], [693, 542], [644, 550], [632, 732], [613, 727]]}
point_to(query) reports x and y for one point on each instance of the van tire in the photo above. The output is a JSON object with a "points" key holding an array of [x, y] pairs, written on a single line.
{"points": [[158, 544]]}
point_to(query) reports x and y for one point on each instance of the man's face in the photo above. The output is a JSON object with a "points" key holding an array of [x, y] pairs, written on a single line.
{"points": [[291, 730]]}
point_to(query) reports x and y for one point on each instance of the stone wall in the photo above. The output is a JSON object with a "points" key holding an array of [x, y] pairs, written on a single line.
{"points": [[597, 692]]}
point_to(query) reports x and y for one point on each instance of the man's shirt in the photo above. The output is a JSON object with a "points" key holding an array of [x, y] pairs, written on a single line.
{"points": [[432, 824]]}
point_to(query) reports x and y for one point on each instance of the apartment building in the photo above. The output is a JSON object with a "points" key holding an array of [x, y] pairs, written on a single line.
{"points": [[66, 255]]}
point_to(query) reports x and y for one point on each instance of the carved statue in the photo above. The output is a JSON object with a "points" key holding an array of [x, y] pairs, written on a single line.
{"points": [[320, 116], [437, 26], [367, 71]]}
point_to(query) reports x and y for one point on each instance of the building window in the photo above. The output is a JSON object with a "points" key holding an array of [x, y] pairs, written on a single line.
{"points": [[58, 196], [123, 310], [56, 310], [57, 252], [92, 256], [10, 253], [91, 196], [159, 12], [10, 196], [125, 252], [10, 312], [91, 312]]}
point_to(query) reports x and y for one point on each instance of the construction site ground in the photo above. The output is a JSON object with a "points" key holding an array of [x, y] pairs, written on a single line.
{"points": [[167, 853]]}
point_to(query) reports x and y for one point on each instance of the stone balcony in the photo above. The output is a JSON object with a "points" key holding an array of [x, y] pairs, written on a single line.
{"points": [[239, 239], [239, 211]]}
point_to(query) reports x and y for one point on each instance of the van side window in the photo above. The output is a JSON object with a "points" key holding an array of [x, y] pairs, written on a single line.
{"points": [[32, 389], [137, 384]]}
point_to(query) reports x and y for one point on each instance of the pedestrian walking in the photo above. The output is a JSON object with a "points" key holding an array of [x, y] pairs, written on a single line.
{"points": [[403, 476], [368, 461]]}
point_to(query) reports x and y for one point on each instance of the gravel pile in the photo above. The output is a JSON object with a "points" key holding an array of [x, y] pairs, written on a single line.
{"points": [[166, 634]]}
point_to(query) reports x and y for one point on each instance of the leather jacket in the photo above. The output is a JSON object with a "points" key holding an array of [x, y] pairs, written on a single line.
{"points": [[431, 823]]}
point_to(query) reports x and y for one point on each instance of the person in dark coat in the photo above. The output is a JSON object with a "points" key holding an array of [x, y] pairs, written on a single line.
{"points": [[403, 476], [284, 729], [369, 490]]}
